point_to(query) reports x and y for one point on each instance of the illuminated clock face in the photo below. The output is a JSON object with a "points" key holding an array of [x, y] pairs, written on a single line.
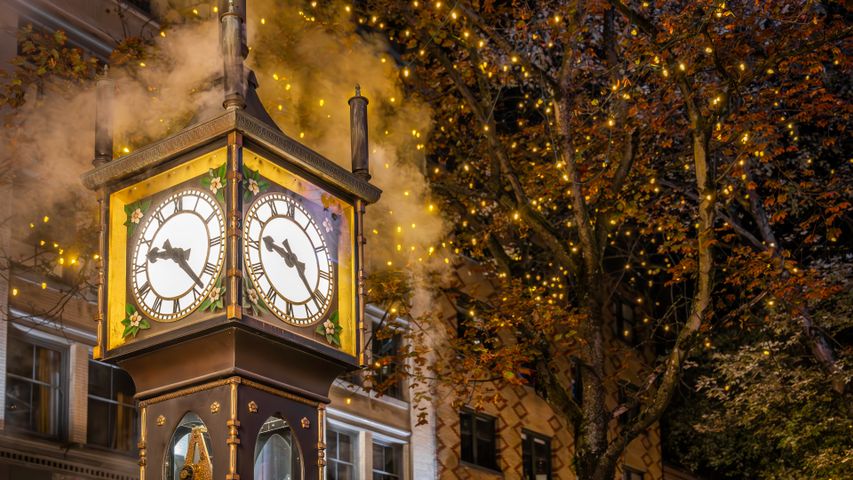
{"points": [[287, 259], [178, 255]]}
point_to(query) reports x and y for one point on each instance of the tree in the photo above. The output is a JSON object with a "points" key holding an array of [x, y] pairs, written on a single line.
{"points": [[684, 158], [764, 408]]}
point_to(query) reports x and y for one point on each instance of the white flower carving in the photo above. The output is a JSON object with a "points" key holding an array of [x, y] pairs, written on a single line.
{"points": [[330, 327], [215, 184], [253, 186], [135, 318], [216, 292], [253, 295], [136, 216], [327, 225]]}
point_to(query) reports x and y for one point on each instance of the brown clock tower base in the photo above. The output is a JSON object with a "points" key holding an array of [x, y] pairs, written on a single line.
{"points": [[235, 422]]}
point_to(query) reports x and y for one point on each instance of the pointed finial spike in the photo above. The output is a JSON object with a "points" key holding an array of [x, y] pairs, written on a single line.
{"points": [[357, 90]]}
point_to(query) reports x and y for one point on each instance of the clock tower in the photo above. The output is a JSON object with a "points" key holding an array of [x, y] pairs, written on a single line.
{"points": [[231, 288]]}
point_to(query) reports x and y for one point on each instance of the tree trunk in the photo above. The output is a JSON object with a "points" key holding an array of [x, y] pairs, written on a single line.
{"points": [[591, 430]]}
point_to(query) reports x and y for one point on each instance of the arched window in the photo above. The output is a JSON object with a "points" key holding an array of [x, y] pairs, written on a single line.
{"points": [[277, 452], [189, 450]]}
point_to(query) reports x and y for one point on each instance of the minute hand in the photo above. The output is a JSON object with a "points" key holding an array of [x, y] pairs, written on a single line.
{"points": [[182, 262], [300, 266]]}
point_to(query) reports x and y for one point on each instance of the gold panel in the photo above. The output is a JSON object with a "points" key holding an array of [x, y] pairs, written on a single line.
{"points": [[117, 276], [346, 282]]}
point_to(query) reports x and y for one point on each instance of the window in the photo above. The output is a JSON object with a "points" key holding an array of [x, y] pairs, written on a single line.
{"points": [[536, 455], [385, 347], [276, 452], [471, 329], [624, 325], [629, 473], [340, 455], [479, 444], [35, 386], [112, 411], [387, 462]]}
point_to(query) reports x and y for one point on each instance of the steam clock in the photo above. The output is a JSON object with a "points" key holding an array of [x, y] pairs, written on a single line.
{"points": [[231, 288]]}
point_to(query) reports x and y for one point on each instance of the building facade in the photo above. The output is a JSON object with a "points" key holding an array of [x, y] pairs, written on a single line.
{"points": [[520, 435]]}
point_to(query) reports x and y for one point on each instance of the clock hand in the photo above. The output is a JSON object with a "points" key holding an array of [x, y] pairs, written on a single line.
{"points": [[286, 255], [177, 255], [300, 266], [182, 262], [289, 257]]}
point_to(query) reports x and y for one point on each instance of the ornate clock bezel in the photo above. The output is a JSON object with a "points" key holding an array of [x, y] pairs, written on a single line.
{"points": [[255, 275], [135, 241]]}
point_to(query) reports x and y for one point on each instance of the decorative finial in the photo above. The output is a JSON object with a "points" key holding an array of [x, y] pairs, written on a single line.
{"points": [[357, 90]]}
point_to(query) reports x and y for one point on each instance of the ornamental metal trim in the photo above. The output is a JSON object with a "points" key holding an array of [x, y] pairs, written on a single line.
{"points": [[199, 134]]}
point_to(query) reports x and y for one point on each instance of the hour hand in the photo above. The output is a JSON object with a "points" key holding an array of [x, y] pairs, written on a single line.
{"points": [[177, 255], [286, 254]]}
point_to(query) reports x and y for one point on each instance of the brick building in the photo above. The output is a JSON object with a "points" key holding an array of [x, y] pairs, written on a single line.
{"points": [[521, 436]]}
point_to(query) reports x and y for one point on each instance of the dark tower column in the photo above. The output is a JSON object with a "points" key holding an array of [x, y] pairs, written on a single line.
{"points": [[232, 42], [358, 135], [104, 92]]}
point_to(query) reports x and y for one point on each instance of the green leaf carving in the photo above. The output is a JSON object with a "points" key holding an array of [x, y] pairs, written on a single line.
{"points": [[131, 329]]}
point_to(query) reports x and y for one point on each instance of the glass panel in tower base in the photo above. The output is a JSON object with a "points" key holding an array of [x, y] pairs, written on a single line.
{"points": [[277, 453]]}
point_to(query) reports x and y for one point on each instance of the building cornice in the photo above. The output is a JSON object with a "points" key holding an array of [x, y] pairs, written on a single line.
{"points": [[211, 130]]}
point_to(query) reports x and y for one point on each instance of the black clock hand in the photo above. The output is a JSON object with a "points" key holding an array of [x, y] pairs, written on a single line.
{"points": [[182, 262], [289, 257], [300, 266], [177, 255]]}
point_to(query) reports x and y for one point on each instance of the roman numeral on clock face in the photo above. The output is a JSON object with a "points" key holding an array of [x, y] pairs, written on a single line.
{"points": [[271, 294], [214, 241], [318, 298], [176, 306], [144, 289], [158, 302], [210, 269]]}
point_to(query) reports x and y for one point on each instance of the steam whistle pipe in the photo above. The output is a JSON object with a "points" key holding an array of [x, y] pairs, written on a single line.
{"points": [[358, 135], [104, 93], [240, 9], [231, 41]]}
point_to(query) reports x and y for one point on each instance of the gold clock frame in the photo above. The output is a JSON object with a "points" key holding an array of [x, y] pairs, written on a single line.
{"points": [[118, 238]]}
